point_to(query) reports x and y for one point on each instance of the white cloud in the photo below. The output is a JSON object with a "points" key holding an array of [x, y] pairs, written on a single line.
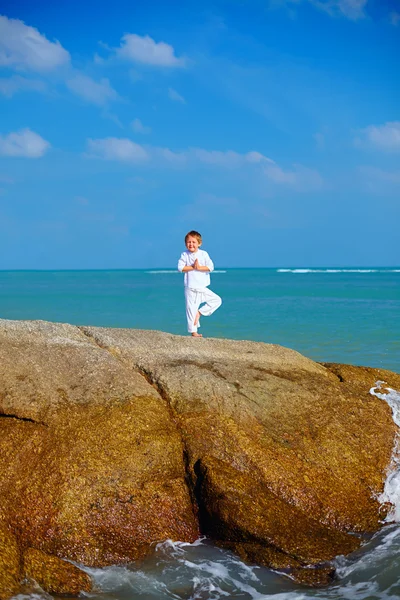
{"points": [[175, 96], [229, 159], [138, 127], [120, 149], [145, 50], [278, 175], [23, 47], [382, 137], [23, 143], [394, 18], [299, 177], [11, 85], [382, 175], [351, 9], [378, 180], [98, 60], [99, 93], [319, 140], [176, 159]]}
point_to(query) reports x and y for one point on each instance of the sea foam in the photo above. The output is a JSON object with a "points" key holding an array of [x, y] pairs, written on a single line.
{"points": [[308, 270], [391, 491], [201, 571], [173, 271]]}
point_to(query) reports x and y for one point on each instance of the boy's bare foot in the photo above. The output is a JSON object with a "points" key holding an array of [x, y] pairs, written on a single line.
{"points": [[196, 319], [195, 334]]}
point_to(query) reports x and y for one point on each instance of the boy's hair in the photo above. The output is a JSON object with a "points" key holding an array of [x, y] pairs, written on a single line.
{"points": [[194, 234]]}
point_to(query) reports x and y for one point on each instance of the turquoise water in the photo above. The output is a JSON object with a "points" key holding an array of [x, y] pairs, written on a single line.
{"points": [[342, 315]]}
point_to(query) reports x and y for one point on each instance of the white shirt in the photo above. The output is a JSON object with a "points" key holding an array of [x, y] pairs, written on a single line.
{"points": [[196, 280]]}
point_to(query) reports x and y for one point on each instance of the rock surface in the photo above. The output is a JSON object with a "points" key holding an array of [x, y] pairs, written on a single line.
{"points": [[112, 440], [10, 572], [54, 575]]}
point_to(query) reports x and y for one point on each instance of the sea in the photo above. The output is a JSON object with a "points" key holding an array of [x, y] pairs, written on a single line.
{"points": [[341, 314]]}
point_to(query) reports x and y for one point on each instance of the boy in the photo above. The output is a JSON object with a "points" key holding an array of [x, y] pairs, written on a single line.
{"points": [[197, 265]]}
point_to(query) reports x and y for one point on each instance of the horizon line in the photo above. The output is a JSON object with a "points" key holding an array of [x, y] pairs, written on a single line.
{"points": [[101, 269]]}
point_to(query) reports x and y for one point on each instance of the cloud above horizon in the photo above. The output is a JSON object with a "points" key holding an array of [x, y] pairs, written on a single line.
{"points": [[11, 85], [23, 48], [145, 50], [351, 9], [394, 18], [380, 137], [175, 96], [99, 93], [378, 180], [138, 127], [300, 178], [119, 149], [23, 143]]}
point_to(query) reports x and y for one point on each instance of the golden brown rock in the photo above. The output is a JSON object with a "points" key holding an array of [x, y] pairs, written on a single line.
{"points": [[238, 508], [315, 449], [95, 474], [363, 378], [54, 575], [9, 563], [117, 439]]}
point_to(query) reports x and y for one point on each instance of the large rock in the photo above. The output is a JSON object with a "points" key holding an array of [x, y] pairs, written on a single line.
{"points": [[117, 439], [91, 462]]}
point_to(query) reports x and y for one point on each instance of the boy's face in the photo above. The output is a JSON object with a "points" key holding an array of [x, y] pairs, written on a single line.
{"points": [[192, 244]]}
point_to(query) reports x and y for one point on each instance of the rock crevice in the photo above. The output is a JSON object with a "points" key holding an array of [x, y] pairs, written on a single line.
{"points": [[153, 381], [18, 418]]}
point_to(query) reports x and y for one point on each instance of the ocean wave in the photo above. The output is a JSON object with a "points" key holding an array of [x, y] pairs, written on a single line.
{"points": [[168, 272], [163, 272], [201, 571], [338, 270], [182, 570]]}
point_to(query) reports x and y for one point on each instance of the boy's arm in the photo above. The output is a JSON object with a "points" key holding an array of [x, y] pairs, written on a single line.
{"points": [[183, 267], [209, 265], [182, 264]]}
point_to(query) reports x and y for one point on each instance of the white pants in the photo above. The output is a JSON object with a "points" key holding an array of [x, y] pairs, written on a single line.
{"points": [[193, 300]]}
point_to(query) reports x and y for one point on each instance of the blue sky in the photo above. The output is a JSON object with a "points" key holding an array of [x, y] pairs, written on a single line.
{"points": [[272, 127]]}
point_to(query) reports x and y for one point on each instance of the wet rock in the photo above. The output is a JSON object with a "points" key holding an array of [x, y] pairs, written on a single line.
{"points": [[239, 508], [54, 575], [113, 440], [9, 563]]}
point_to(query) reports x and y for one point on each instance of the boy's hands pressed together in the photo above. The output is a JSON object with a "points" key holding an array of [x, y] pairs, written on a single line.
{"points": [[197, 267]]}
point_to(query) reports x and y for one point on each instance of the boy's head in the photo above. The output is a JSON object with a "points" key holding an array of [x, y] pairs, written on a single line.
{"points": [[193, 241]]}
